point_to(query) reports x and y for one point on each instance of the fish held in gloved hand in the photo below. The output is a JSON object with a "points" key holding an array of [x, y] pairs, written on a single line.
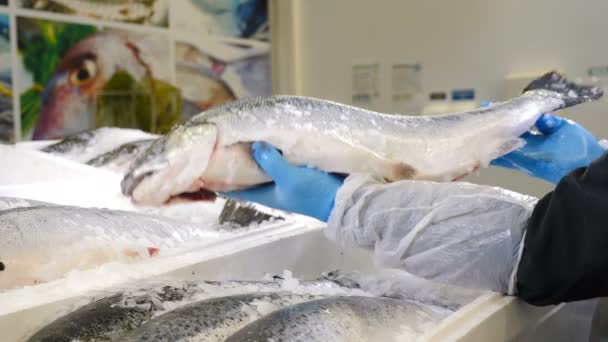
{"points": [[211, 152]]}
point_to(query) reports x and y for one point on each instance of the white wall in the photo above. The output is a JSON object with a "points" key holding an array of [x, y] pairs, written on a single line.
{"points": [[461, 44]]}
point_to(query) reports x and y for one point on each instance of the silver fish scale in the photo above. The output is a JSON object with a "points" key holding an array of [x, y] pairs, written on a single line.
{"points": [[213, 319], [120, 154], [245, 119], [342, 319], [23, 229]]}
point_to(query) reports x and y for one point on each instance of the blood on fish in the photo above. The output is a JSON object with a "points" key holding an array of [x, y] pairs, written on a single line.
{"points": [[153, 251], [199, 195]]}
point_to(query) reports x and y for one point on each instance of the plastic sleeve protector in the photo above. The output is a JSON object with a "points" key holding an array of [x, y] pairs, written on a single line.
{"points": [[455, 233]]}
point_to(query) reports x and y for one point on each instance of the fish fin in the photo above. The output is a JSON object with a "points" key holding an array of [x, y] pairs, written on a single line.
{"points": [[570, 92], [243, 214], [473, 170], [505, 148], [402, 171]]}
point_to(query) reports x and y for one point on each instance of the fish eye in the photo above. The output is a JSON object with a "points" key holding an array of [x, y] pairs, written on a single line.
{"points": [[84, 73]]}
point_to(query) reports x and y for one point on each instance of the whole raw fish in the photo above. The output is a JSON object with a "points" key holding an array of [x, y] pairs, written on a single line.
{"points": [[39, 244], [120, 158], [120, 312], [211, 152], [86, 145], [215, 319], [7, 203], [340, 318]]}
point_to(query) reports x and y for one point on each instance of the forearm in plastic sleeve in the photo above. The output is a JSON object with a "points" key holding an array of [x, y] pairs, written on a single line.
{"points": [[456, 233]]}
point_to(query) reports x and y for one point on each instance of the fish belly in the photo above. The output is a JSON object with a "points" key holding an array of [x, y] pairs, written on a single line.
{"points": [[337, 155], [232, 168]]}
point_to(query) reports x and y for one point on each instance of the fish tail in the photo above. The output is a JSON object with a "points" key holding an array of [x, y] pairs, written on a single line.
{"points": [[571, 93]]}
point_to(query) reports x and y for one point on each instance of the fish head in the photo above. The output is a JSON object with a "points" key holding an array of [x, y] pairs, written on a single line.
{"points": [[66, 106], [171, 165], [68, 100]]}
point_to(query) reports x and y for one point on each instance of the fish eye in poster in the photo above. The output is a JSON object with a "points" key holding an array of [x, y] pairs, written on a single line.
{"points": [[145, 12], [77, 77], [7, 121]]}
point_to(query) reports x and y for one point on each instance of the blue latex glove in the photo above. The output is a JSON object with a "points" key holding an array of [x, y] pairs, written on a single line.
{"points": [[561, 146], [302, 190]]}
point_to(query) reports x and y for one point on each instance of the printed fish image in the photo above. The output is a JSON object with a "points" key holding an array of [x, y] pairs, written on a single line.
{"points": [[106, 79], [7, 122], [211, 152], [153, 12]]}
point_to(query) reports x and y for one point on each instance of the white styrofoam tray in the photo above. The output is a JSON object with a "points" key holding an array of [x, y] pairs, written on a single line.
{"points": [[306, 252], [298, 246]]}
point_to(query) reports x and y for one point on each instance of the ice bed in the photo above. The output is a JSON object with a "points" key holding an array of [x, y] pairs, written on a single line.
{"points": [[297, 245]]}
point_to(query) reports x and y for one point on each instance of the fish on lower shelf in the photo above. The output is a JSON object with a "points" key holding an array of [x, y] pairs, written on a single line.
{"points": [[211, 152], [343, 318], [118, 314], [214, 319]]}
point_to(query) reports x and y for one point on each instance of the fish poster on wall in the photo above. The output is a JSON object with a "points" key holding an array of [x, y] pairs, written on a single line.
{"points": [[144, 64], [222, 51], [146, 12], [77, 77], [7, 121], [232, 18]]}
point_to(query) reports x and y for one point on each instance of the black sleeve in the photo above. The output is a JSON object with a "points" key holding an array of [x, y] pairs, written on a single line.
{"points": [[565, 256]]}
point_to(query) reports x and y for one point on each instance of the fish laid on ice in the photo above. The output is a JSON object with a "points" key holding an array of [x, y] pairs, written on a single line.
{"points": [[120, 158], [342, 318], [108, 318], [398, 284], [211, 152], [119, 313], [7, 203], [214, 319], [39, 244], [84, 146], [102, 320]]}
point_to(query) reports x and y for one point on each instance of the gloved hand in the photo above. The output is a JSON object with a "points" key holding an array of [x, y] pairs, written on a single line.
{"points": [[300, 190], [561, 146]]}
